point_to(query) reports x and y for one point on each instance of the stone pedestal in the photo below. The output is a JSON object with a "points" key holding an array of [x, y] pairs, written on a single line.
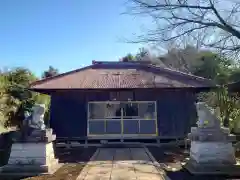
{"points": [[212, 152], [33, 156]]}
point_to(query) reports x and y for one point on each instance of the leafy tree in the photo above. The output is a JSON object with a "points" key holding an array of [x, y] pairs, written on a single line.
{"points": [[212, 66], [19, 80], [15, 98], [183, 59], [50, 72], [143, 56], [234, 74], [3, 84], [220, 70], [128, 58], [18, 98]]}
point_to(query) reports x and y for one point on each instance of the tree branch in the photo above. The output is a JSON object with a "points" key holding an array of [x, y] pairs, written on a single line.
{"points": [[141, 3], [230, 29], [184, 33], [200, 18]]}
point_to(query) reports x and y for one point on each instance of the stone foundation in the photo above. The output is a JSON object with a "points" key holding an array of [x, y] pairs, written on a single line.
{"points": [[212, 169], [31, 157], [32, 153], [212, 152]]}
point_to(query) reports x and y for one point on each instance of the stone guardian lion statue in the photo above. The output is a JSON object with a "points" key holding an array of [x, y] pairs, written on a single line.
{"points": [[34, 121], [206, 116]]}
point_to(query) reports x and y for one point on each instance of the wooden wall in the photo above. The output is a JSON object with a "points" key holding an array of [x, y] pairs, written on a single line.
{"points": [[176, 110]]}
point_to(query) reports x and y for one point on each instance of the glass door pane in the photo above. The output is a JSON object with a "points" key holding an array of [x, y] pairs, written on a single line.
{"points": [[130, 126], [113, 118], [96, 122], [130, 117], [113, 126]]}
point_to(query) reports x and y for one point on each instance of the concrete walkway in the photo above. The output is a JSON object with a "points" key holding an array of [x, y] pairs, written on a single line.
{"points": [[121, 164]]}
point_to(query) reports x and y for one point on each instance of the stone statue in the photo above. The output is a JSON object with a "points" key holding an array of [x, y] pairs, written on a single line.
{"points": [[35, 121], [206, 117], [32, 151], [211, 148]]}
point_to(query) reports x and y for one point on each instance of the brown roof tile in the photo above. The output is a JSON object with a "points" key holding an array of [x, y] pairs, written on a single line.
{"points": [[121, 75]]}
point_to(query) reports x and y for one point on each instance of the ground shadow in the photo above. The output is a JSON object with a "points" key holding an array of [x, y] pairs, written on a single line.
{"points": [[74, 155], [183, 174]]}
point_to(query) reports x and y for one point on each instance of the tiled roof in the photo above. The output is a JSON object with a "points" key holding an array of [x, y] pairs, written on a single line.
{"points": [[121, 75]]}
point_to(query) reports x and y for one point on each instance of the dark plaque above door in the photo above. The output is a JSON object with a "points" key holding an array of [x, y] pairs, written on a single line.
{"points": [[121, 95]]}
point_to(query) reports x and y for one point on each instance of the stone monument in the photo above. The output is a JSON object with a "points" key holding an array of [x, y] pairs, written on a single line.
{"points": [[32, 152], [211, 149]]}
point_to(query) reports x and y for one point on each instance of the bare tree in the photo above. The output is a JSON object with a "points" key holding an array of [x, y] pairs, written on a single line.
{"points": [[208, 23]]}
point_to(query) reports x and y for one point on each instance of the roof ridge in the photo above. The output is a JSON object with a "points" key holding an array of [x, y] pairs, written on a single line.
{"points": [[180, 72], [144, 63]]}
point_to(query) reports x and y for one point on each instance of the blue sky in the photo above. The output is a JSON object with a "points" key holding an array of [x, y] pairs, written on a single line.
{"points": [[66, 34]]}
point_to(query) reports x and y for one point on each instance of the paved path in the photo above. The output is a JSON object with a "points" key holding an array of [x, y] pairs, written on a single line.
{"points": [[121, 164]]}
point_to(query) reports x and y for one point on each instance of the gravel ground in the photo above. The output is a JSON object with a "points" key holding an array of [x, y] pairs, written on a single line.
{"points": [[171, 159]]}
